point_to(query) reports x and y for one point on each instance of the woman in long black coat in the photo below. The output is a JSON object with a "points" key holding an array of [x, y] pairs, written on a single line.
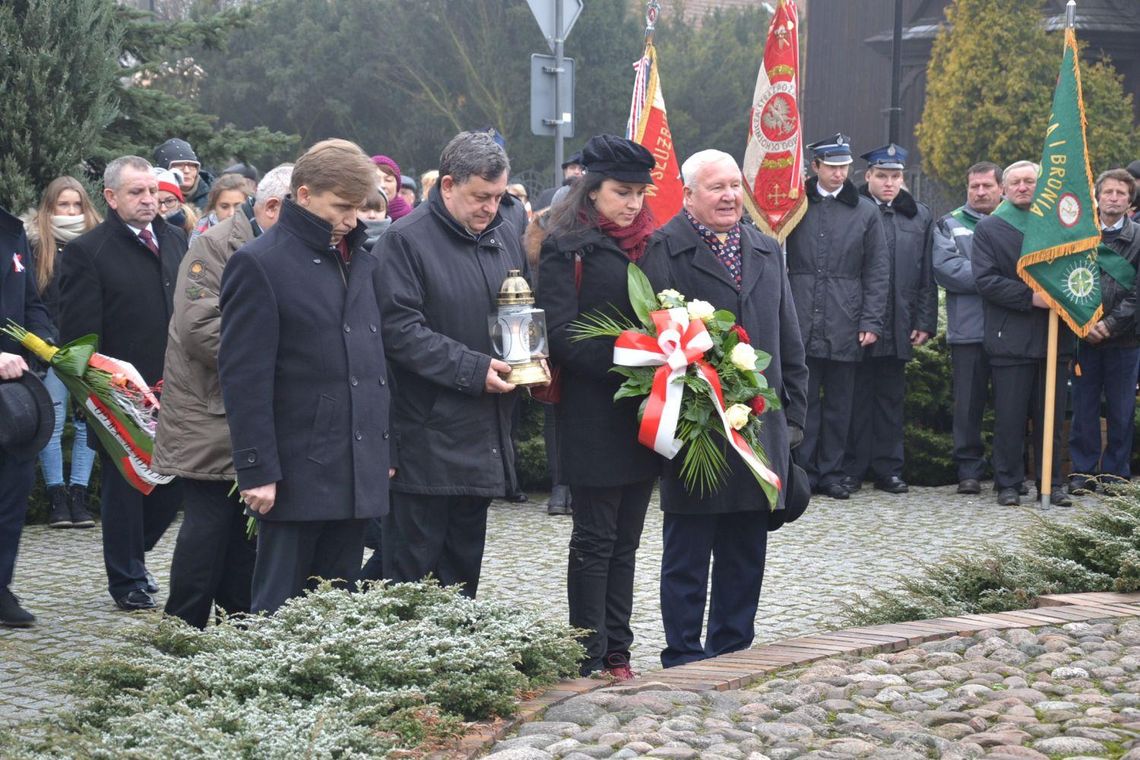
{"points": [[595, 233]]}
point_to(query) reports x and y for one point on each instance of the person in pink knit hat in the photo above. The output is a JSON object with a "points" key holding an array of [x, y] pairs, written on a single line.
{"points": [[389, 172]]}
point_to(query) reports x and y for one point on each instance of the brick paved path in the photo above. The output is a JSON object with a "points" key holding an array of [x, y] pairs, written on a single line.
{"points": [[836, 550]]}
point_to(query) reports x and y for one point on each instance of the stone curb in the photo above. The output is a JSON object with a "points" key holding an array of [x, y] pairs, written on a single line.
{"points": [[739, 669]]}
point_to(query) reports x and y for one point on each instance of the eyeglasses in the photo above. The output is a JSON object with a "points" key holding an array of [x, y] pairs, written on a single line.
{"points": [[169, 203]]}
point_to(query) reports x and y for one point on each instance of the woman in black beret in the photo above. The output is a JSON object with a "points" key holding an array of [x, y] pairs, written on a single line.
{"points": [[595, 232]]}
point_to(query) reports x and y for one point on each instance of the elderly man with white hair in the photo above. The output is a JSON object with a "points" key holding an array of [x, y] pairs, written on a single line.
{"points": [[707, 254], [1015, 339], [213, 558]]}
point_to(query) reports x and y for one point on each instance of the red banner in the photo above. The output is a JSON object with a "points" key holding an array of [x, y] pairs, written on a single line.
{"points": [[773, 158], [649, 127]]}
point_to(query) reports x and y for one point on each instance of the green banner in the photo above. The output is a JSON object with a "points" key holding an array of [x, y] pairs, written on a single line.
{"points": [[1060, 226]]}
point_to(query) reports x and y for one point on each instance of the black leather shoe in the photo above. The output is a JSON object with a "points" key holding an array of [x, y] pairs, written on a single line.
{"points": [[1058, 498], [852, 484], [1111, 485], [1008, 497], [893, 484], [835, 491], [1080, 485], [969, 486], [135, 600], [151, 583], [12, 614], [1023, 489]]}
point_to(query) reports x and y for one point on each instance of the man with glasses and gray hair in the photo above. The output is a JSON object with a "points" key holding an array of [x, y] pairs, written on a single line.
{"points": [[213, 558], [118, 283]]}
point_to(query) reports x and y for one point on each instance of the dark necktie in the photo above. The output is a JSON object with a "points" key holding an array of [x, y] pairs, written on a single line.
{"points": [[148, 241]]}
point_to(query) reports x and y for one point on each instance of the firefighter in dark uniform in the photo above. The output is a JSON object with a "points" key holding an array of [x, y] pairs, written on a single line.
{"points": [[875, 442], [838, 268]]}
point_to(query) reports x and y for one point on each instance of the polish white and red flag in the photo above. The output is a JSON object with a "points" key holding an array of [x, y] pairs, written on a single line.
{"points": [[773, 158], [649, 127]]}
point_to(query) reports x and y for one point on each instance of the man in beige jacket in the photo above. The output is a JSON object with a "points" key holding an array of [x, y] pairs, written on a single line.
{"points": [[213, 557]]}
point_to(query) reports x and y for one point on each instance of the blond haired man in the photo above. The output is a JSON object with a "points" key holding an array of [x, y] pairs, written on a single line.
{"points": [[304, 379]]}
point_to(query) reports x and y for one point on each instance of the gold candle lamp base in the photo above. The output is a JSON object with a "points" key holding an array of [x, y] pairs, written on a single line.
{"points": [[528, 373]]}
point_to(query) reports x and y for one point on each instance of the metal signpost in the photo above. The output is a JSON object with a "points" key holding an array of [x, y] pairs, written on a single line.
{"points": [[551, 109], [543, 106]]}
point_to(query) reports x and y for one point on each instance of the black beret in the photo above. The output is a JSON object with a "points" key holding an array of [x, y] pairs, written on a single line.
{"points": [[618, 158], [249, 171], [573, 158]]}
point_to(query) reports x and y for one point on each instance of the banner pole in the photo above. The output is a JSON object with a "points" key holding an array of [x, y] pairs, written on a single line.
{"points": [[1046, 489], [1046, 473]]}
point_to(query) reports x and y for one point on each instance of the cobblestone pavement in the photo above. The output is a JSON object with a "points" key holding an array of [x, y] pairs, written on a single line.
{"points": [[814, 565], [1070, 691]]}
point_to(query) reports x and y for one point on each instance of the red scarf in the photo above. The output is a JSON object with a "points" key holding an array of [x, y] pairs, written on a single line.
{"points": [[631, 239]]}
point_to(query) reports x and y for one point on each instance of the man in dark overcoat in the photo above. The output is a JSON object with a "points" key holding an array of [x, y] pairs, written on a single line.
{"points": [[706, 254], [303, 376], [19, 302], [118, 283], [840, 274], [441, 269], [875, 443], [1016, 341]]}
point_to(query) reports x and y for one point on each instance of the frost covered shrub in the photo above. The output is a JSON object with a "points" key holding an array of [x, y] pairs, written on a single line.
{"points": [[331, 675], [1101, 552]]}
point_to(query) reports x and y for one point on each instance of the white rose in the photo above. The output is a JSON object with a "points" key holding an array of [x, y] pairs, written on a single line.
{"points": [[669, 298], [743, 356], [702, 310], [737, 415]]}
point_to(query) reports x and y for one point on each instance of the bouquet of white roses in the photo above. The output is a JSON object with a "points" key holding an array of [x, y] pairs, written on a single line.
{"points": [[701, 379]]}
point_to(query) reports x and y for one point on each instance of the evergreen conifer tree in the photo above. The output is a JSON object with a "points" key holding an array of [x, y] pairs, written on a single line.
{"points": [[990, 84], [57, 90], [159, 92]]}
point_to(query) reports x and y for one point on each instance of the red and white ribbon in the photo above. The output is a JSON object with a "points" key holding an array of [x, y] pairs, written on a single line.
{"points": [[679, 343], [738, 442]]}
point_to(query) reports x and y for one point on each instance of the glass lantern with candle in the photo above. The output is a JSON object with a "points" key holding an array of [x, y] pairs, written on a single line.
{"points": [[518, 332]]}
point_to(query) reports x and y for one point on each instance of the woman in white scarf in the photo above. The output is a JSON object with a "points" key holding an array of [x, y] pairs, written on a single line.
{"points": [[64, 213]]}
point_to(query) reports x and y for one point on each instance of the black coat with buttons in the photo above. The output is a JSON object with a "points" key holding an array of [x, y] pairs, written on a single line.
{"points": [[679, 259], [115, 287], [438, 286], [839, 268], [597, 437], [303, 374]]}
